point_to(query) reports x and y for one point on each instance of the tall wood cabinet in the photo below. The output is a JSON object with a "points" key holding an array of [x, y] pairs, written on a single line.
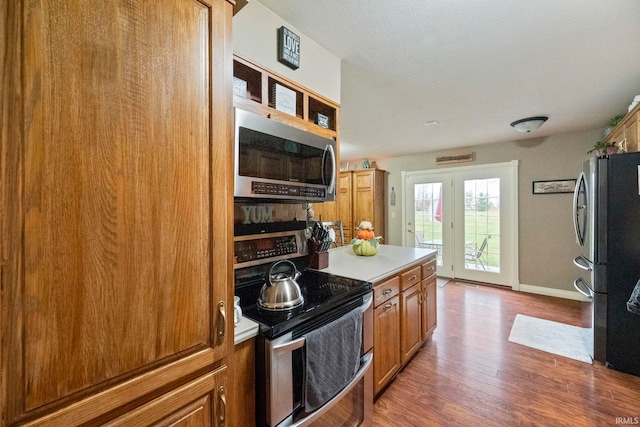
{"points": [[115, 270], [361, 196]]}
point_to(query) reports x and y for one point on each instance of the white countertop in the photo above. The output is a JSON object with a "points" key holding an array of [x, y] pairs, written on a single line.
{"points": [[244, 329], [388, 261]]}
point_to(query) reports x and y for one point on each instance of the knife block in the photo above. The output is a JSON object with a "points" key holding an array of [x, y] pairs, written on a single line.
{"points": [[316, 259]]}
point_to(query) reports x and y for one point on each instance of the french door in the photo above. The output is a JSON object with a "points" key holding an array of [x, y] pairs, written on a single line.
{"points": [[469, 215]]}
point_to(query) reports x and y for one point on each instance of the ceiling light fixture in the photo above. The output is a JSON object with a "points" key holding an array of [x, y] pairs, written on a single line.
{"points": [[529, 124], [432, 123]]}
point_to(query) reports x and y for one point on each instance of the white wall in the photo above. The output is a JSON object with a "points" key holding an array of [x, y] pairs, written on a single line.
{"points": [[255, 31], [546, 241]]}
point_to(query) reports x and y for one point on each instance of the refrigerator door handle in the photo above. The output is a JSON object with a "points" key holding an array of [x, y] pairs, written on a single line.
{"points": [[583, 263], [579, 228], [582, 287]]}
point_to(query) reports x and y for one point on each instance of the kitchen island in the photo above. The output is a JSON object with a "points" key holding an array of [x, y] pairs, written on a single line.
{"points": [[389, 261], [404, 299]]}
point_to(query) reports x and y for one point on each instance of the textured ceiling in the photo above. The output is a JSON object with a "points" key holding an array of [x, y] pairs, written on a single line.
{"points": [[473, 65]]}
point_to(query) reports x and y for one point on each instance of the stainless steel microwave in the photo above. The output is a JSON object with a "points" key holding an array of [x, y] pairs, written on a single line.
{"points": [[275, 161]]}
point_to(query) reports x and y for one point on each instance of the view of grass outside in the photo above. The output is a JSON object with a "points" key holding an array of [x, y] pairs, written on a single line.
{"points": [[481, 219]]}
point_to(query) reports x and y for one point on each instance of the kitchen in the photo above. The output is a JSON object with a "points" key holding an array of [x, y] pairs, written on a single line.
{"points": [[169, 375]]}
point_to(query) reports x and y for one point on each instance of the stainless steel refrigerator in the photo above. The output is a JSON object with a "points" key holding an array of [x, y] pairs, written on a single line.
{"points": [[606, 216]]}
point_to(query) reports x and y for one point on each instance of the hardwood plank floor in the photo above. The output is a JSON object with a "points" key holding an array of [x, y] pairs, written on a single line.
{"points": [[469, 374]]}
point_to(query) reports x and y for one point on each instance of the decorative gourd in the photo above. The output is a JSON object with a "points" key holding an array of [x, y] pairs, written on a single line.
{"points": [[366, 243], [366, 234], [365, 247]]}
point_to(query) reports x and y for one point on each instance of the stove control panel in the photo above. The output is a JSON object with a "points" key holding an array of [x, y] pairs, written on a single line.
{"points": [[259, 249]]}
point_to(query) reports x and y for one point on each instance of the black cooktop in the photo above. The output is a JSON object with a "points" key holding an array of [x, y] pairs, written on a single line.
{"points": [[323, 293]]}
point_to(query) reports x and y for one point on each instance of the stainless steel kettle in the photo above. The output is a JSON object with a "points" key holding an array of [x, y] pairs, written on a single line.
{"points": [[281, 292]]}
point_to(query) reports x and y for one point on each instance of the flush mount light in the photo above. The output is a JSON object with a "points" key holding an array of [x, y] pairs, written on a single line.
{"points": [[432, 123], [529, 124]]}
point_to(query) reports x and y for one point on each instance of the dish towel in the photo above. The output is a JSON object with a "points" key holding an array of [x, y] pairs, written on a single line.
{"points": [[333, 358], [633, 305]]}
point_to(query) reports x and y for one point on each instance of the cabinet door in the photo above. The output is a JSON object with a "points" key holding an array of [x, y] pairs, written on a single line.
{"points": [[345, 205], [363, 203], [199, 403], [115, 233], [631, 131], [386, 342], [429, 307], [411, 308]]}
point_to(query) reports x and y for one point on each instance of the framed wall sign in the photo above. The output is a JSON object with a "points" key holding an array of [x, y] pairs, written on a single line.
{"points": [[557, 186], [288, 48]]}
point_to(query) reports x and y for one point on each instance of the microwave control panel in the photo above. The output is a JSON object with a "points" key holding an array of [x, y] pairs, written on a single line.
{"points": [[287, 190]]}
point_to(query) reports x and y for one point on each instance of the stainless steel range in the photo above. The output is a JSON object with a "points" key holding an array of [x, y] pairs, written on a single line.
{"points": [[313, 358]]}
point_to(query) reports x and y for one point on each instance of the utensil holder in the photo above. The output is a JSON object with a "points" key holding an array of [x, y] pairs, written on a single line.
{"points": [[316, 259]]}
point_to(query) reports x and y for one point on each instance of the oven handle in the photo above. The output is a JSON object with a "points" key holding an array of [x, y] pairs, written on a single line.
{"points": [[367, 359], [299, 342], [289, 346]]}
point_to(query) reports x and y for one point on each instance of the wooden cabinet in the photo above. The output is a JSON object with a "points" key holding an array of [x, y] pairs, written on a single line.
{"points": [[254, 90], [116, 205], [429, 315], [244, 385], [627, 133], [360, 197], [405, 317], [386, 332], [410, 322]]}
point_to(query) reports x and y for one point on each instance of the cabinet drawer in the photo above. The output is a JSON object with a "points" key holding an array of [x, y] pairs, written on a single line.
{"points": [[428, 268], [410, 278], [386, 290]]}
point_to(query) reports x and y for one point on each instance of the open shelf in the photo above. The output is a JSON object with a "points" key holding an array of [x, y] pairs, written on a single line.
{"points": [[259, 97]]}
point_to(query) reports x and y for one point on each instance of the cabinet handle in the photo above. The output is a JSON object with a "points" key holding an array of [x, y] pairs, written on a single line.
{"points": [[388, 306], [222, 322], [412, 278], [431, 268], [222, 407], [387, 291]]}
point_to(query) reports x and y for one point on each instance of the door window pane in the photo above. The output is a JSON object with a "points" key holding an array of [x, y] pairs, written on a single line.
{"points": [[482, 224], [428, 217]]}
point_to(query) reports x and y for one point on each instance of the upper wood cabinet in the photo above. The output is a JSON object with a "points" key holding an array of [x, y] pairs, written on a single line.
{"points": [[627, 133], [116, 205], [254, 90]]}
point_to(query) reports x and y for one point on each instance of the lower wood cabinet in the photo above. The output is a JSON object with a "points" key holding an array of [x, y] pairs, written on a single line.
{"points": [[410, 322], [197, 403], [244, 381], [386, 338], [404, 319], [429, 314]]}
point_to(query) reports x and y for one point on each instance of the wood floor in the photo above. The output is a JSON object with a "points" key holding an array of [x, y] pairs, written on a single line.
{"points": [[469, 374]]}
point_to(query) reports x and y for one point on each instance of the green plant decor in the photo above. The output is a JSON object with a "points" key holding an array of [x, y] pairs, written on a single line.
{"points": [[602, 146], [616, 120]]}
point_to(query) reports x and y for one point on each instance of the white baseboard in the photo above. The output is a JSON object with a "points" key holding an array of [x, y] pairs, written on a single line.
{"points": [[551, 292]]}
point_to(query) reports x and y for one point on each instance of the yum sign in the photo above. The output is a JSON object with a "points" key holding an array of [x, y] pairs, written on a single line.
{"points": [[257, 214]]}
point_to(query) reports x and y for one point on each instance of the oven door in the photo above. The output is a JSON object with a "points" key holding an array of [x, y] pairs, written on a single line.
{"points": [[285, 383]]}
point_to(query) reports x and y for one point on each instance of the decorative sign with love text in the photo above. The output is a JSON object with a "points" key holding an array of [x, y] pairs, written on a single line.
{"points": [[288, 48]]}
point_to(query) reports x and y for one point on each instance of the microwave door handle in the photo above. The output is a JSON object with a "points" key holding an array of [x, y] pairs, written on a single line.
{"points": [[332, 182]]}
